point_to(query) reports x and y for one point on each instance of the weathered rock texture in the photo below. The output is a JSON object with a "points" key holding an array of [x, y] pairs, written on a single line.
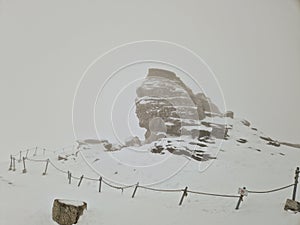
{"points": [[67, 212], [292, 205], [163, 95], [133, 141]]}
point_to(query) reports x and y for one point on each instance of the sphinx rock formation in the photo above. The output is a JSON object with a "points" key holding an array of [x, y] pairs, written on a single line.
{"points": [[163, 95]]}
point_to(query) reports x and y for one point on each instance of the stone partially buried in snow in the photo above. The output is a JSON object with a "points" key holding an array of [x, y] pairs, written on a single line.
{"points": [[292, 205], [67, 212]]}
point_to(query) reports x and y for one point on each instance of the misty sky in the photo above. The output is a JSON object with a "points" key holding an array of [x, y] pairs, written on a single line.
{"points": [[45, 46]]}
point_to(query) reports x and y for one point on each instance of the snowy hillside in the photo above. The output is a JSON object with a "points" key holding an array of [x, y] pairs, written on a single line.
{"points": [[247, 159]]}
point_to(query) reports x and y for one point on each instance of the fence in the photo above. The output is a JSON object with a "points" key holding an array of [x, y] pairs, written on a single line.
{"points": [[23, 156]]}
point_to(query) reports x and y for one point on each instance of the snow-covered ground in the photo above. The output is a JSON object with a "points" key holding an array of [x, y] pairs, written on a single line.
{"points": [[27, 198]]}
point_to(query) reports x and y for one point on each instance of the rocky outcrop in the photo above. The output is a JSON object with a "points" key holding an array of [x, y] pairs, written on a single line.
{"points": [[133, 141], [292, 205], [229, 114], [66, 212], [163, 95]]}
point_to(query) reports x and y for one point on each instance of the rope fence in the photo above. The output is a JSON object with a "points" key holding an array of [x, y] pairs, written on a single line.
{"points": [[242, 191], [271, 191]]}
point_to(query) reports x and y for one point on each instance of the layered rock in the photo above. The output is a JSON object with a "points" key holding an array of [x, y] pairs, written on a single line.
{"points": [[163, 95]]}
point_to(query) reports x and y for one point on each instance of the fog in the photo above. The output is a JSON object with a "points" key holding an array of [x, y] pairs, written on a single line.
{"points": [[253, 47]]}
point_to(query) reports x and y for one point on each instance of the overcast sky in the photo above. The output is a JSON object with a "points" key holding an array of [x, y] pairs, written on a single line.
{"points": [[45, 46]]}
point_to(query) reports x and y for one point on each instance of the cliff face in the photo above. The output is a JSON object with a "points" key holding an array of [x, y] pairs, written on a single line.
{"points": [[163, 95]]}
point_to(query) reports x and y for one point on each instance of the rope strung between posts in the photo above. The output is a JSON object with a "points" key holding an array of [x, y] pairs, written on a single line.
{"points": [[117, 187], [122, 187], [36, 160], [91, 179], [270, 191], [62, 171], [212, 194], [78, 178], [160, 190]]}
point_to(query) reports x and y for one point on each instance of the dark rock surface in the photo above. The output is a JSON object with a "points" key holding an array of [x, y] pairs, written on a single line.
{"points": [[242, 140], [292, 205], [163, 95], [67, 212], [246, 123], [229, 114]]}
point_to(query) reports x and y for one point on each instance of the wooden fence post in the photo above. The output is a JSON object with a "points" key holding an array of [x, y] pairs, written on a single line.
{"points": [[11, 163], [27, 153], [135, 189], [47, 163], [81, 178], [20, 157], [100, 183], [296, 183], [14, 164], [69, 177], [183, 195], [242, 192], [24, 170]]}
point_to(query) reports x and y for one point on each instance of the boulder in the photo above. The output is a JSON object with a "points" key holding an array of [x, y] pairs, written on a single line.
{"points": [[292, 205], [66, 212]]}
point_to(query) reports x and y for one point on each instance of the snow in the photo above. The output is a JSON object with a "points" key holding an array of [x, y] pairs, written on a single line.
{"points": [[27, 198], [199, 127], [71, 202], [216, 120]]}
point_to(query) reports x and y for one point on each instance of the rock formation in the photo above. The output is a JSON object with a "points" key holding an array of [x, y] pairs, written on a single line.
{"points": [[163, 95]]}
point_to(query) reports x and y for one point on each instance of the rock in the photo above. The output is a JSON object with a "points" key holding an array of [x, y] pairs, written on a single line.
{"points": [[266, 138], [292, 205], [133, 141], [270, 141], [207, 105], [107, 146], [164, 98], [157, 125], [62, 158], [274, 143], [155, 137], [66, 212], [242, 140], [219, 131], [229, 114], [196, 133], [246, 123]]}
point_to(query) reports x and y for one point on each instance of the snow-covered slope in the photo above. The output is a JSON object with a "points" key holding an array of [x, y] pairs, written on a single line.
{"points": [[244, 160]]}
